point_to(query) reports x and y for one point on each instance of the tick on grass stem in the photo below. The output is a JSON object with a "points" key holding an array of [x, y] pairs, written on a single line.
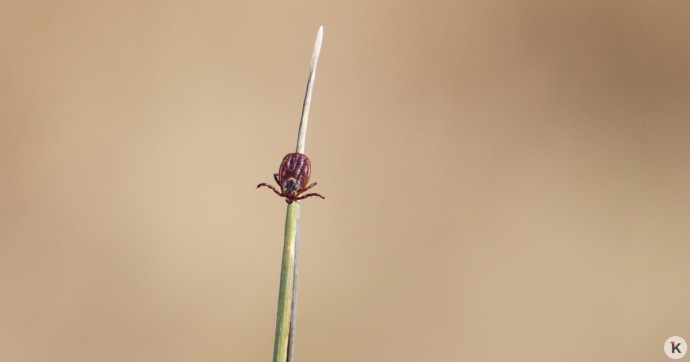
{"points": [[293, 177]]}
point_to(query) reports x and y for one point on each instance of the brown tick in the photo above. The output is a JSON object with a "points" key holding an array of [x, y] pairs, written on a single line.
{"points": [[293, 177]]}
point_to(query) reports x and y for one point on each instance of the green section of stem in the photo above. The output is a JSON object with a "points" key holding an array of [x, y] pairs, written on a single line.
{"points": [[284, 323]]}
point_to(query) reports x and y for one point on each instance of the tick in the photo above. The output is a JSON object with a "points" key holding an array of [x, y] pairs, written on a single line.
{"points": [[293, 177]]}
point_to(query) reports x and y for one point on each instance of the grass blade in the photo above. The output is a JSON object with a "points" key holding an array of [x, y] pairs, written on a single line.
{"points": [[287, 298]]}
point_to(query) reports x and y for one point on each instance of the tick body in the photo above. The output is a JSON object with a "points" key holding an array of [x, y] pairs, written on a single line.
{"points": [[293, 178]]}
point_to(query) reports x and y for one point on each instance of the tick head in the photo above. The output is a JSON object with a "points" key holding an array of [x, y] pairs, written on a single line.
{"points": [[291, 186]]}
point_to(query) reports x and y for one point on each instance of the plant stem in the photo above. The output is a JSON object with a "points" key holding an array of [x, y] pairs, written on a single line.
{"points": [[302, 134], [288, 271], [287, 298]]}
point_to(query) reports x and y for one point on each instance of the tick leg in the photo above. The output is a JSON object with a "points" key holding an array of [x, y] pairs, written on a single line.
{"points": [[270, 187], [275, 177], [308, 187], [309, 195]]}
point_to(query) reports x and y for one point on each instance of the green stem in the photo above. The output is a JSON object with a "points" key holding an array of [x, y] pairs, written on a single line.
{"points": [[287, 298], [285, 319]]}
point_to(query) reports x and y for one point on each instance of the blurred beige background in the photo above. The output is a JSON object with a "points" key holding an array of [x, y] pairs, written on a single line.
{"points": [[506, 181]]}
